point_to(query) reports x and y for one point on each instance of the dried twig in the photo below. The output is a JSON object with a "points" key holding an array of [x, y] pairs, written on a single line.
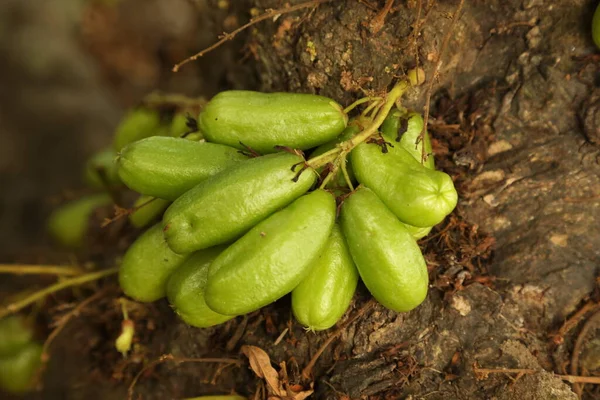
{"points": [[306, 372], [484, 372], [436, 72], [229, 36], [26, 269], [67, 317], [40, 294], [177, 360], [572, 322], [591, 322]]}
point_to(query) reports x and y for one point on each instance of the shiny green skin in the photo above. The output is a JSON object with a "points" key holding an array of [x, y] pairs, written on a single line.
{"points": [[596, 26], [137, 124], [151, 209], [323, 297], [103, 163], [418, 232], [225, 206], [14, 335], [185, 290], [418, 196], [388, 258], [147, 265], [17, 372], [339, 181], [265, 120], [271, 259], [389, 130], [167, 167], [68, 224]]}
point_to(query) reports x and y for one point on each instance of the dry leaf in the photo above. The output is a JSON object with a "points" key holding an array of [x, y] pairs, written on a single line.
{"points": [[261, 365]]}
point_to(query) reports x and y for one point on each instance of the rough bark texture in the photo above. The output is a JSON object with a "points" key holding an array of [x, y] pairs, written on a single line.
{"points": [[518, 86]]}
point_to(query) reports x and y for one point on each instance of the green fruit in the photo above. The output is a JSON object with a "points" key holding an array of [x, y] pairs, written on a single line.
{"points": [[137, 124], [417, 232], [225, 206], [17, 372], [101, 169], [185, 290], [167, 167], [14, 335], [388, 258], [272, 258], [596, 26], [405, 129], [147, 265], [150, 209], [179, 126], [418, 196], [321, 299], [68, 224], [265, 120]]}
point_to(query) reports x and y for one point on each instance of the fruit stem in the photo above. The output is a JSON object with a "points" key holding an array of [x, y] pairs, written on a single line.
{"points": [[40, 294], [359, 102]]}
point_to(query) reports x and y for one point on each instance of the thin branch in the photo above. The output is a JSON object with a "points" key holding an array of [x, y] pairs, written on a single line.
{"points": [[229, 36], [306, 372], [436, 72], [66, 318], [40, 294], [483, 372], [169, 357], [26, 269], [559, 337], [578, 389]]}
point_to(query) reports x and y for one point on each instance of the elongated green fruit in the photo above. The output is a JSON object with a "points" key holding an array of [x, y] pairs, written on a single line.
{"points": [[17, 372], [272, 258], [138, 124], [150, 209], [321, 299], [179, 126], [405, 129], [418, 232], [101, 169], [147, 265], [265, 120], [388, 258], [418, 196], [227, 205], [68, 224], [185, 290], [167, 167], [14, 335]]}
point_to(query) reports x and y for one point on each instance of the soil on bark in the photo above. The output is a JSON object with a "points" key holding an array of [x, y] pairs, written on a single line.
{"points": [[514, 120]]}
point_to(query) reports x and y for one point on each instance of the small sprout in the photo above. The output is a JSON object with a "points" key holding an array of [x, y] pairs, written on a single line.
{"points": [[123, 342]]}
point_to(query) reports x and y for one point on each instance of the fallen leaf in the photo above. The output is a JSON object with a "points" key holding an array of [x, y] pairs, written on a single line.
{"points": [[261, 365]]}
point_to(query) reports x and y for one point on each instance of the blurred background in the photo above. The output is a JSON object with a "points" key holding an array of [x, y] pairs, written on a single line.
{"points": [[69, 70]]}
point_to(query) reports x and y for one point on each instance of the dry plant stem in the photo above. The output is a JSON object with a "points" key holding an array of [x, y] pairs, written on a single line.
{"points": [[436, 72], [40, 294], [182, 102], [66, 318], [569, 378], [574, 320], [307, 371], [266, 15], [590, 323], [169, 357], [25, 269]]}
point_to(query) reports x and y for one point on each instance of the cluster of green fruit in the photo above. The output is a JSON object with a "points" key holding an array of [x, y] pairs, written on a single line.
{"points": [[20, 355], [252, 219]]}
